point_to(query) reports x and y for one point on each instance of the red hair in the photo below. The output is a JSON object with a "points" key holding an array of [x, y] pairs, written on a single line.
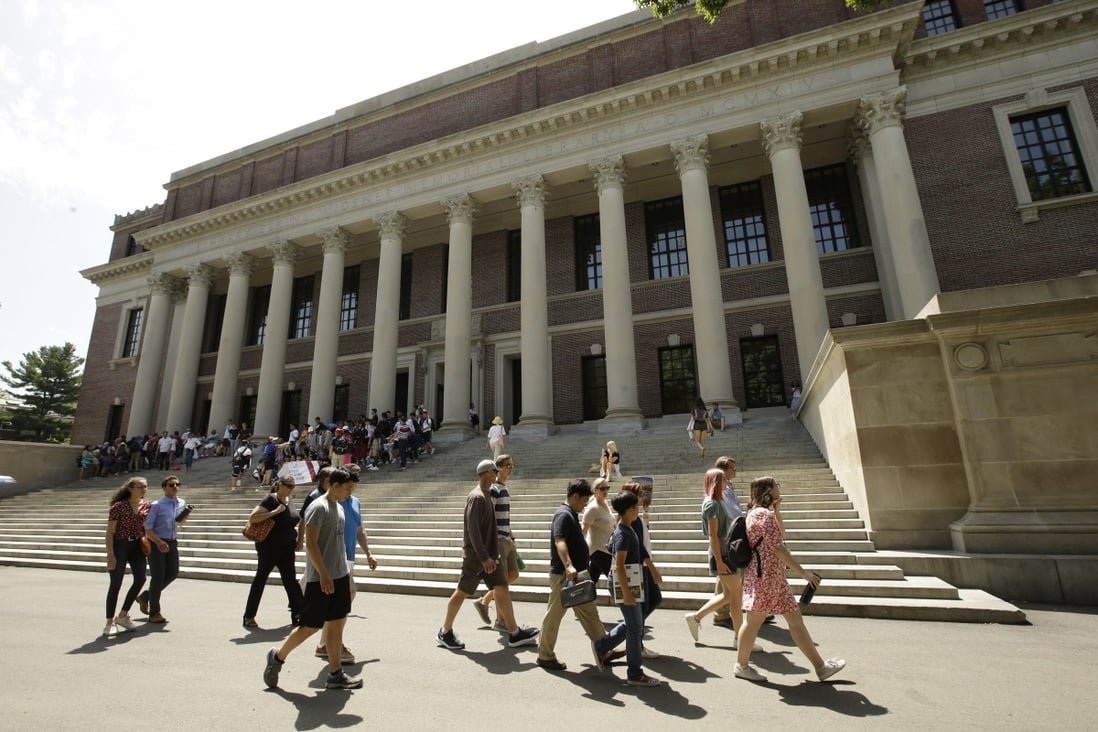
{"points": [[714, 484]]}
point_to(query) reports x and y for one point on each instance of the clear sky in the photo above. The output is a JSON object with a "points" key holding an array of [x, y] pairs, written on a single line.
{"points": [[102, 100]]}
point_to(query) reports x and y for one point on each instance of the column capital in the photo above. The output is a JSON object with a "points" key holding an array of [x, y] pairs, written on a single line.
{"points": [[392, 224], [781, 133], [460, 208], [241, 264], [283, 253], [163, 283], [336, 240], [859, 148], [609, 172], [691, 153], [531, 190], [199, 274], [880, 110]]}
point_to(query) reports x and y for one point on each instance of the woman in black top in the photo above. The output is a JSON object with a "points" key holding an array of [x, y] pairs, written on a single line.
{"points": [[700, 424], [277, 550], [610, 462]]}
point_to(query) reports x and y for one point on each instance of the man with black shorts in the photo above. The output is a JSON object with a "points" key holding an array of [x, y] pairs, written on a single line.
{"points": [[327, 584], [480, 560]]}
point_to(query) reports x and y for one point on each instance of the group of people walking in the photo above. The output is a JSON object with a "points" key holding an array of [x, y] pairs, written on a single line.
{"points": [[593, 534]]}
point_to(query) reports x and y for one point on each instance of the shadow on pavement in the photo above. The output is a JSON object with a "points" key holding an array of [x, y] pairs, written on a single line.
{"points": [[322, 709], [831, 696]]}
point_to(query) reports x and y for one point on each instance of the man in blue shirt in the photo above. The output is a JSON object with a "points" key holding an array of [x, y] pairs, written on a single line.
{"points": [[161, 527]]}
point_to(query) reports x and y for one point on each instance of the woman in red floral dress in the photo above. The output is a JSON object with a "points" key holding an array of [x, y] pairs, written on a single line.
{"points": [[768, 592]]}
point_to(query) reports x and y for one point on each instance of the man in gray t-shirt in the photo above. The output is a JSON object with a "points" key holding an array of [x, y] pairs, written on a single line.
{"points": [[327, 584]]}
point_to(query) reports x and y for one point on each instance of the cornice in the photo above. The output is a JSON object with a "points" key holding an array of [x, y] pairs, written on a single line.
{"points": [[1026, 31], [133, 266], [890, 30], [121, 220]]}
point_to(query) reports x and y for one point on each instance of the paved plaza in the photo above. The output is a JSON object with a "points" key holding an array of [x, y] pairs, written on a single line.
{"points": [[203, 671]]}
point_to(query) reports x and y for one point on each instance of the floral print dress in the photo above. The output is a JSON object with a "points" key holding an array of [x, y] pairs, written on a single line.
{"points": [[769, 593]]}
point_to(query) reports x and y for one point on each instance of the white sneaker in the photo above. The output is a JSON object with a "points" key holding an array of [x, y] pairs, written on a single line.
{"points": [[748, 673], [647, 652], [123, 621], [692, 625], [755, 647], [107, 629], [831, 667]]}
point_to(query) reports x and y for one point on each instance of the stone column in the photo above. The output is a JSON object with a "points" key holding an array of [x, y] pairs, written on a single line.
{"points": [[326, 342], [268, 407], [224, 402], [185, 379], [881, 117], [175, 335], [782, 142], [460, 210], [150, 360], [537, 406], [710, 334], [862, 154], [623, 412], [383, 362]]}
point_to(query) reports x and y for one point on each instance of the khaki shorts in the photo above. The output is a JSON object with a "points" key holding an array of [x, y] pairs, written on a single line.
{"points": [[508, 557], [472, 572]]}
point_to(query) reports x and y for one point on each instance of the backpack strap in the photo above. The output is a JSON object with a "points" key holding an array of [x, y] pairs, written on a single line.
{"points": [[758, 558]]}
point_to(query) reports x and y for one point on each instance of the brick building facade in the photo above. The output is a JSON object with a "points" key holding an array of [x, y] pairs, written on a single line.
{"points": [[905, 135]]}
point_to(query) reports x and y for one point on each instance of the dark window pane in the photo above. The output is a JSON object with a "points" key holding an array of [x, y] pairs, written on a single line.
{"points": [[132, 340], [405, 286], [666, 228], [348, 304], [588, 240], [1000, 8], [1049, 154], [257, 329], [744, 224], [301, 312], [939, 17], [514, 265], [831, 209]]}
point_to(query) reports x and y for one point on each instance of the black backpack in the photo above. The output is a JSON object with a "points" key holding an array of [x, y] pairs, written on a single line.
{"points": [[738, 549]]}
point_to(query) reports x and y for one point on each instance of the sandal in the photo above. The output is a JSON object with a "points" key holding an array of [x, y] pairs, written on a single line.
{"points": [[250, 623]]}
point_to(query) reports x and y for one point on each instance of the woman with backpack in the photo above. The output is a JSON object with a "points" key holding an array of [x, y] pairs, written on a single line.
{"points": [[715, 525], [765, 589]]}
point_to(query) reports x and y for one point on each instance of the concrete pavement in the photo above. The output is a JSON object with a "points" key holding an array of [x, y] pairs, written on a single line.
{"points": [[203, 671]]}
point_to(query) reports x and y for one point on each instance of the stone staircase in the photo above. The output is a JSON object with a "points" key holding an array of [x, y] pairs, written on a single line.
{"points": [[414, 520]]}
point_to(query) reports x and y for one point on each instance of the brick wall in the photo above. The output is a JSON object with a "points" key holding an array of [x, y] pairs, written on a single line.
{"points": [[957, 156]]}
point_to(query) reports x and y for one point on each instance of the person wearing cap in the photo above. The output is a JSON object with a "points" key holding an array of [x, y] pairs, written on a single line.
{"points": [[480, 558], [497, 436], [568, 557], [340, 450], [327, 598], [508, 557], [270, 455]]}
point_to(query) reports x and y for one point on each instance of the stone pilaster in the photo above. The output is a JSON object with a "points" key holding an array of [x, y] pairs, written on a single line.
{"points": [[623, 412], [326, 343], [710, 334], [273, 362], [460, 211], [383, 363], [880, 116], [151, 356], [537, 407], [782, 142], [184, 381], [862, 154], [224, 404]]}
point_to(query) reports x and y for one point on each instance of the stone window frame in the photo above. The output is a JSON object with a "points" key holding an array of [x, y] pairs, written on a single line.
{"points": [[121, 334], [1079, 114]]}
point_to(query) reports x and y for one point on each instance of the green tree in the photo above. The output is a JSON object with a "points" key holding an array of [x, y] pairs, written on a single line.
{"points": [[49, 382], [712, 9]]}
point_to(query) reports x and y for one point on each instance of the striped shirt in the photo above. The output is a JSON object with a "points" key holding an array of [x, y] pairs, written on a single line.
{"points": [[501, 498]]}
